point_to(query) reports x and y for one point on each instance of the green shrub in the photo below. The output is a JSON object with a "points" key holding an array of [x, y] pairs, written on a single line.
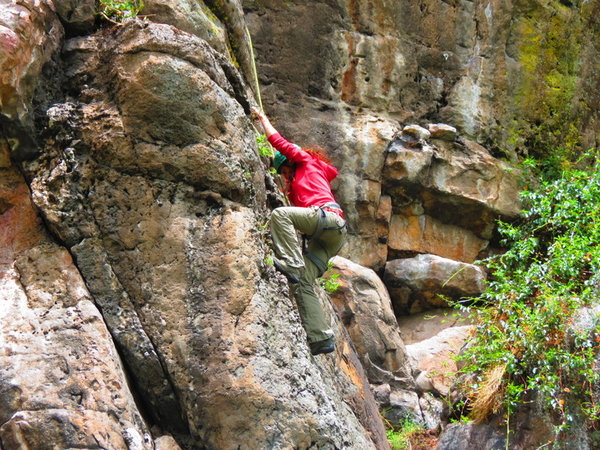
{"points": [[524, 341]]}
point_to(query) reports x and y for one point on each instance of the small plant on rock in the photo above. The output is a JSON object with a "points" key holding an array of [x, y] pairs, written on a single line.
{"points": [[409, 435], [264, 149], [330, 282]]}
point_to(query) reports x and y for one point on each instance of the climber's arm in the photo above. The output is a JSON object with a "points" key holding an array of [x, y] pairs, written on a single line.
{"points": [[289, 150]]}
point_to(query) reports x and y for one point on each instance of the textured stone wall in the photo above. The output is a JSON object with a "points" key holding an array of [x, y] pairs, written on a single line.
{"points": [[508, 75], [136, 292], [146, 174]]}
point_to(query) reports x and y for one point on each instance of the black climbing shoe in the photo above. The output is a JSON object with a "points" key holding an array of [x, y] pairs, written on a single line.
{"points": [[326, 346], [292, 274]]}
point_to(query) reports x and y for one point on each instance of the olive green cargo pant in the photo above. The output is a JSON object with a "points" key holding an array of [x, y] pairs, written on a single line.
{"points": [[284, 223]]}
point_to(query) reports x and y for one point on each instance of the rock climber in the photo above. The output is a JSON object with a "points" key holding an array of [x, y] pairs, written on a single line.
{"points": [[307, 175]]}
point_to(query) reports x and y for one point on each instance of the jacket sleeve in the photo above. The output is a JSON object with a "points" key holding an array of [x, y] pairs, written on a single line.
{"points": [[289, 150]]}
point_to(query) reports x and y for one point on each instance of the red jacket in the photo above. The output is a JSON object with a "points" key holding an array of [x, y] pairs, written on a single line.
{"points": [[310, 186]]}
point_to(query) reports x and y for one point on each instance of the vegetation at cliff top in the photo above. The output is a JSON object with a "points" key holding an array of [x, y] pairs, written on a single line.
{"points": [[119, 10], [529, 340]]}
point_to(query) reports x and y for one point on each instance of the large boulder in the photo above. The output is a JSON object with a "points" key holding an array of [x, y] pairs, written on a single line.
{"points": [[434, 360], [364, 305], [532, 425], [421, 326], [458, 436], [458, 183], [366, 311]]}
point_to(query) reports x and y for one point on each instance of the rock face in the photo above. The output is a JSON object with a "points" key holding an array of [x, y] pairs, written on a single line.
{"points": [[133, 252], [367, 69], [30, 34], [61, 378], [434, 359], [531, 425], [148, 174], [457, 436], [366, 311], [193, 17], [433, 340]]}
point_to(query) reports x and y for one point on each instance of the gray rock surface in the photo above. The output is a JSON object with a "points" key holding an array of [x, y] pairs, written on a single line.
{"points": [[77, 16], [433, 360], [61, 378], [459, 436], [190, 16], [363, 304], [141, 161], [425, 325]]}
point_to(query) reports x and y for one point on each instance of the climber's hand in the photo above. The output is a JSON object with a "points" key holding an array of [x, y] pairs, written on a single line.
{"points": [[264, 121], [257, 113]]}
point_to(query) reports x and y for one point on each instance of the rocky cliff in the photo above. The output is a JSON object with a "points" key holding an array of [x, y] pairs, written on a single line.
{"points": [[138, 303]]}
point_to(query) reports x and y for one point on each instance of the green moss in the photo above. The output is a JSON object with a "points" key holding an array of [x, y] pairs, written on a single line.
{"points": [[546, 95]]}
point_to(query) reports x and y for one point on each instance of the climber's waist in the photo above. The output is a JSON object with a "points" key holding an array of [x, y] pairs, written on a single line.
{"points": [[334, 208]]}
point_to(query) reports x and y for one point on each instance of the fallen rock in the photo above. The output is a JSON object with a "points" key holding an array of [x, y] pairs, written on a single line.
{"points": [[435, 357], [421, 326], [425, 281], [442, 131], [458, 436], [434, 411], [404, 405], [416, 131]]}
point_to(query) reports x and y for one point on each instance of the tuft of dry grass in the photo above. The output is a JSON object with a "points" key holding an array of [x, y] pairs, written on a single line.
{"points": [[488, 397]]}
